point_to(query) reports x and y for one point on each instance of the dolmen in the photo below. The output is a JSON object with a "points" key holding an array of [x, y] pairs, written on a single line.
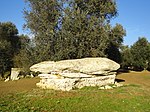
{"points": [[67, 75]]}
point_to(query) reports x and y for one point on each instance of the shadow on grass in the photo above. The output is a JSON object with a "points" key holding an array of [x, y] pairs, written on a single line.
{"points": [[119, 80], [120, 71]]}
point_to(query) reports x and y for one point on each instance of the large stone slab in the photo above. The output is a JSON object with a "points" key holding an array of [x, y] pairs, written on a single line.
{"points": [[85, 65], [68, 84], [96, 81], [57, 84]]}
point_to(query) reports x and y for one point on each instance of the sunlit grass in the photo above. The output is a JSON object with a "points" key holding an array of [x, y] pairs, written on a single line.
{"points": [[124, 99]]}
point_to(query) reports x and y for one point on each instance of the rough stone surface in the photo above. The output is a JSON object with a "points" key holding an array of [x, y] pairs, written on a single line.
{"points": [[6, 80], [66, 75], [50, 76], [75, 75], [66, 84], [96, 81], [118, 84], [57, 84], [14, 73], [86, 65], [108, 87], [102, 87]]}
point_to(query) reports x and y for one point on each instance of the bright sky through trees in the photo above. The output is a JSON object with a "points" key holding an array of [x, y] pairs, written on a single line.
{"points": [[133, 15]]}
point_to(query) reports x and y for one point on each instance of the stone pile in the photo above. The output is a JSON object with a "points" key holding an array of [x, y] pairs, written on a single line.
{"points": [[66, 75]]}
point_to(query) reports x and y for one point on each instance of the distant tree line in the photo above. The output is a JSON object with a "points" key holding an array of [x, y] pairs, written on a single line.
{"points": [[136, 57], [69, 29]]}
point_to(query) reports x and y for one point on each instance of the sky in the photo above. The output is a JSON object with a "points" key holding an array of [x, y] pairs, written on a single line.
{"points": [[12, 10], [133, 15]]}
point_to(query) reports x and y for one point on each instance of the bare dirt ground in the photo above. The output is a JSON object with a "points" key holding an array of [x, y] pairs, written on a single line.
{"points": [[137, 78], [21, 85]]}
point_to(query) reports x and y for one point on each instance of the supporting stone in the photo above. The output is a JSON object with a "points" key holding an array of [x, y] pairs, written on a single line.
{"points": [[66, 84], [14, 73], [96, 81]]}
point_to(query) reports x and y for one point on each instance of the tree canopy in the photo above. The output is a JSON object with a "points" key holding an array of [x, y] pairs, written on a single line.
{"points": [[9, 45], [66, 29], [69, 29], [136, 57], [140, 51]]}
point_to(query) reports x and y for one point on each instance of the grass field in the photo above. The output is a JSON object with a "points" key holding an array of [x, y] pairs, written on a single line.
{"points": [[24, 96]]}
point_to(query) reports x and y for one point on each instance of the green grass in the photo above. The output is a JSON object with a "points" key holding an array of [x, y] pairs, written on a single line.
{"points": [[130, 98], [147, 77]]}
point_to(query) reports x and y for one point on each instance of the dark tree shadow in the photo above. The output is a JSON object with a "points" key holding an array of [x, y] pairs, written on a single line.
{"points": [[123, 71], [119, 80]]}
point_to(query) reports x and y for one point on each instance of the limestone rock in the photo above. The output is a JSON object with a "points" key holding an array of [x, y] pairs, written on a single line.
{"points": [[76, 75], [44, 67], [66, 75], [67, 84], [108, 87], [100, 66], [50, 76], [58, 84], [14, 73], [6, 80], [118, 84], [96, 81], [102, 87]]}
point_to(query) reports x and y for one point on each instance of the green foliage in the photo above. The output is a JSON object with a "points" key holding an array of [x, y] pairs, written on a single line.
{"points": [[66, 29], [15, 51], [42, 20], [136, 57], [9, 45], [126, 57], [5, 57], [140, 54], [115, 42], [24, 58], [85, 29]]}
